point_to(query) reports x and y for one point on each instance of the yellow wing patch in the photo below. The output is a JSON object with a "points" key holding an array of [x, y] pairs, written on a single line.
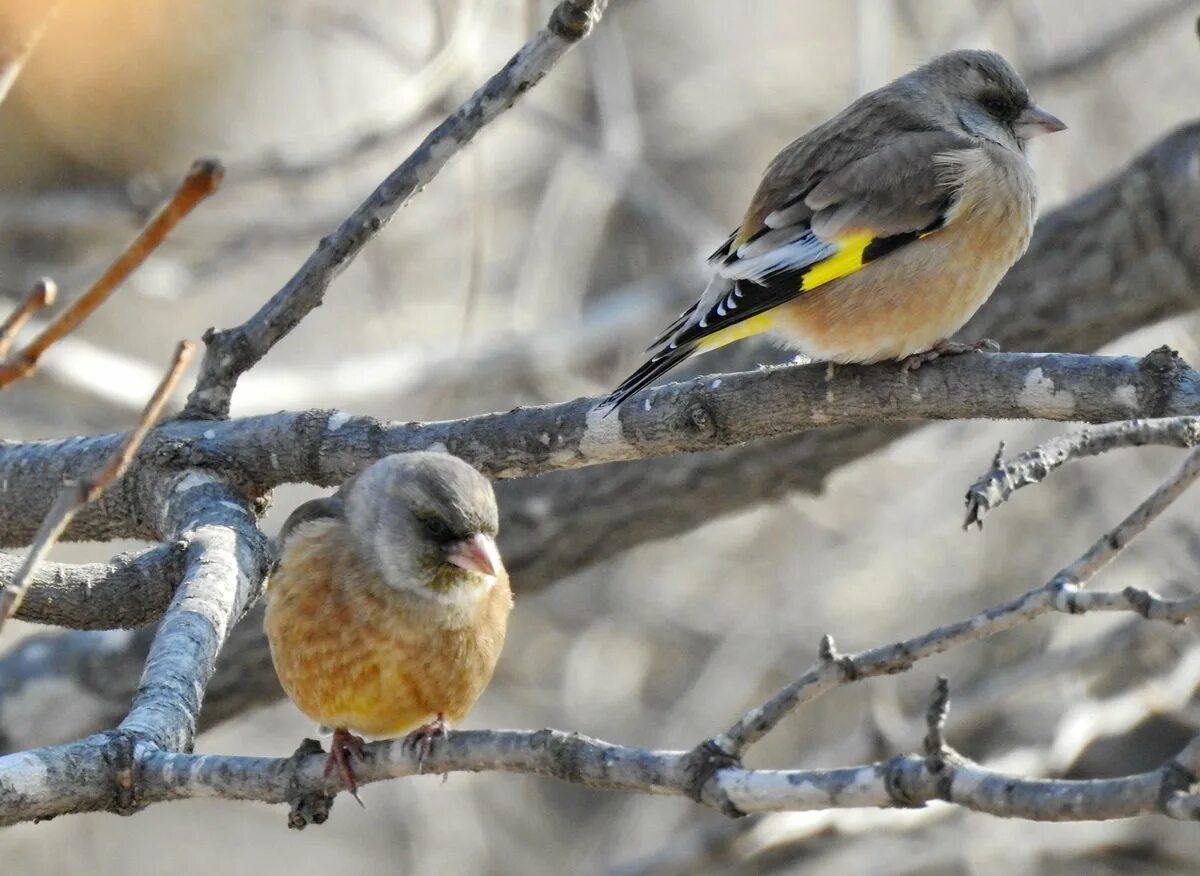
{"points": [[744, 329], [847, 260]]}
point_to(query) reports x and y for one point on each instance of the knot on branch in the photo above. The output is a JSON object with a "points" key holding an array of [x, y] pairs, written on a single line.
{"points": [[700, 419], [572, 20], [306, 807], [1064, 593], [698, 766], [118, 755], [1177, 781], [1142, 601], [1163, 369], [902, 779]]}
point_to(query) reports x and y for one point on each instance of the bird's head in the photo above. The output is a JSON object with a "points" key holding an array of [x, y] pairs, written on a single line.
{"points": [[982, 94], [428, 521]]}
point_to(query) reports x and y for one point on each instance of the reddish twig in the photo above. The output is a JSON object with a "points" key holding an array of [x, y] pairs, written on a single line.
{"points": [[202, 180], [40, 297], [76, 495], [14, 58]]}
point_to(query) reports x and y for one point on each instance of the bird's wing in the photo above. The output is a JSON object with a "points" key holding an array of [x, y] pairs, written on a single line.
{"points": [[326, 508], [793, 241]]}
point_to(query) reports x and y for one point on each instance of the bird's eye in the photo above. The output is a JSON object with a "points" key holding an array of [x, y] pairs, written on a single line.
{"points": [[437, 527], [997, 105]]}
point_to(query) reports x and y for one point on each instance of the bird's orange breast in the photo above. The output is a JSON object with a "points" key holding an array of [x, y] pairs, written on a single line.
{"points": [[353, 652]]}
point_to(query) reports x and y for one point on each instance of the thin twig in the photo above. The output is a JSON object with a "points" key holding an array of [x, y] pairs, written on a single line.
{"points": [[1033, 466], [202, 180], [1060, 593], [231, 352], [13, 62], [75, 496], [40, 297]]}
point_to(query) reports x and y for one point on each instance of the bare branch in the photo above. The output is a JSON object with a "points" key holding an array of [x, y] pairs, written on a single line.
{"points": [[1033, 466], [225, 565], [74, 496], [202, 180], [708, 413], [108, 773], [40, 297], [14, 57], [1061, 593], [233, 351], [131, 590]]}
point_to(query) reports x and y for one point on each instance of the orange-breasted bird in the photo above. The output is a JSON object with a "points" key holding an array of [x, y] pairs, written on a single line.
{"points": [[388, 604], [879, 233]]}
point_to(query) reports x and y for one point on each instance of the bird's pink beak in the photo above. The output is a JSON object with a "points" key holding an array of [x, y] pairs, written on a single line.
{"points": [[1035, 121], [476, 554]]}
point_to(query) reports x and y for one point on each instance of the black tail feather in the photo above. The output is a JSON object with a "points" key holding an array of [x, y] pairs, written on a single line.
{"points": [[650, 371], [673, 328]]}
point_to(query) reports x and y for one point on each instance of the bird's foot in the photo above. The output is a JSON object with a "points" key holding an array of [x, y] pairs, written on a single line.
{"points": [[344, 745], [947, 348], [421, 739]]}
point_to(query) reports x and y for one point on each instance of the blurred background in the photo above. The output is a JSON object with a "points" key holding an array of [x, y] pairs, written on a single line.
{"points": [[533, 270]]}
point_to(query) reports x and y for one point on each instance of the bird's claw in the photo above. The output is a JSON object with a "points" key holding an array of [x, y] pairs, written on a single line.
{"points": [[342, 747], [947, 348], [421, 740]]}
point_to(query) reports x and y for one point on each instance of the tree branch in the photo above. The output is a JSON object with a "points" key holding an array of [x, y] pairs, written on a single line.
{"points": [[1062, 593], [106, 772], [16, 52], [40, 297], [226, 563], [201, 181], [708, 413], [233, 351], [131, 590], [75, 496], [1033, 466]]}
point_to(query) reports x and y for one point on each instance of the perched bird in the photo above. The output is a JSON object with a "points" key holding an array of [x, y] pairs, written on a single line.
{"points": [[879, 233], [388, 605]]}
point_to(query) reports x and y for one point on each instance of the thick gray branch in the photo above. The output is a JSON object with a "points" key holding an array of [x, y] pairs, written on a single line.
{"points": [[131, 590], [708, 413], [106, 772], [232, 352], [226, 562]]}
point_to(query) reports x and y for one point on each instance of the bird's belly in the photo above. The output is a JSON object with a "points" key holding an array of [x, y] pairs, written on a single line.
{"points": [[870, 319], [907, 301], [376, 670]]}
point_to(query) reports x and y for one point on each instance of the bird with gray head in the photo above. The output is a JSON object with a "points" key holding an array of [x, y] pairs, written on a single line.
{"points": [[422, 519], [388, 604], [880, 232]]}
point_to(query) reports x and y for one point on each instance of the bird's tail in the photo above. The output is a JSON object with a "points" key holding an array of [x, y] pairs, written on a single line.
{"points": [[652, 369]]}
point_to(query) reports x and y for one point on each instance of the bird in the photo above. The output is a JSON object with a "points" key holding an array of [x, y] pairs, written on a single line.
{"points": [[388, 603], [879, 233]]}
